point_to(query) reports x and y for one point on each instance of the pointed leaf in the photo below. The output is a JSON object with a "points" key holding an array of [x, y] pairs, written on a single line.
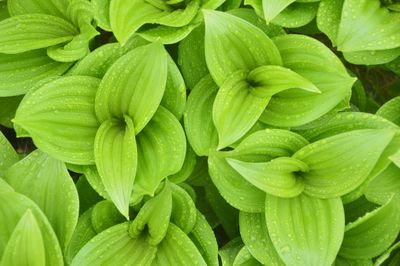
{"points": [[272, 8], [129, 86], [390, 110], [229, 252], [64, 123], [301, 238], [382, 188], [184, 213], [8, 156], [296, 15], [232, 44], [115, 154], [104, 215], [102, 13], [328, 18]]}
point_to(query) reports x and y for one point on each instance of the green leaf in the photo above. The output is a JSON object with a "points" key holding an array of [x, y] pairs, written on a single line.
{"points": [[296, 15], [349, 262], [94, 179], [56, 8], [87, 195], [276, 177], [328, 18], [113, 242], [374, 57], [272, 8], [64, 123], [229, 252], [116, 157], [47, 182], [339, 164], [25, 246], [104, 215], [20, 72], [382, 188], [102, 13], [382, 258], [233, 187], [360, 27], [154, 217], [373, 233], [4, 13], [129, 86], [244, 258], [187, 169], [165, 34], [184, 213], [232, 44], [253, 230], [8, 156], [301, 238], [315, 62], [33, 31], [161, 151], [236, 109], [390, 110], [177, 249], [199, 127]]}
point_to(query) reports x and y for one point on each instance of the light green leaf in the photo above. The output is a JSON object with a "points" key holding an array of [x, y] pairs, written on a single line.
{"points": [[102, 13], [296, 15], [129, 86], [232, 44], [116, 159], [64, 123], [301, 238], [165, 34], [116, 242], [254, 233], [382, 188], [184, 213], [390, 110], [276, 177], [233, 187], [177, 249], [8, 156], [373, 233], [339, 164], [374, 57], [199, 127], [315, 62], [244, 258], [81, 13], [33, 31], [47, 182], [187, 169], [25, 246], [236, 109], [229, 252], [20, 72], [328, 18], [386, 255], [56, 8], [104, 215], [161, 151], [272, 8], [94, 179]]}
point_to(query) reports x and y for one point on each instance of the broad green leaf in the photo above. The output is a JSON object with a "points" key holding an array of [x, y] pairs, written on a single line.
{"points": [[184, 213], [8, 156], [374, 57], [390, 110], [187, 169], [113, 243], [272, 8], [153, 218], [80, 13], [229, 252], [339, 164], [360, 27], [161, 151], [116, 157], [254, 233], [102, 13], [373, 233], [10, 217], [244, 258], [199, 127], [203, 237], [277, 177], [165, 34], [296, 15], [382, 258], [20, 72], [328, 18], [33, 31], [64, 124], [129, 86], [47, 182], [87, 195], [382, 188], [232, 44], [177, 249], [301, 238], [56, 8], [236, 109], [104, 215], [93, 177], [233, 187], [25, 246]]}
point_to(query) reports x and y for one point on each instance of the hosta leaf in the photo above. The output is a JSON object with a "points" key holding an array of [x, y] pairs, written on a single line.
{"points": [[203, 237], [390, 110], [116, 155], [64, 123], [165, 34], [233, 187], [29, 32], [93, 177], [18, 73], [374, 57], [315, 62], [25, 246], [253, 230], [102, 13], [328, 18], [301, 238], [129, 86], [51, 7], [187, 168], [47, 182], [81, 13], [382, 258], [339, 164], [113, 242], [296, 15], [161, 151], [229, 252], [199, 127], [8, 155], [360, 25], [177, 249], [11, 216], [276, 177], [373, 233], [272, 8], [104, 215], [244, 258], [154, 217], [384, 186], [232, 44], [236, 109], [184, 213]]}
